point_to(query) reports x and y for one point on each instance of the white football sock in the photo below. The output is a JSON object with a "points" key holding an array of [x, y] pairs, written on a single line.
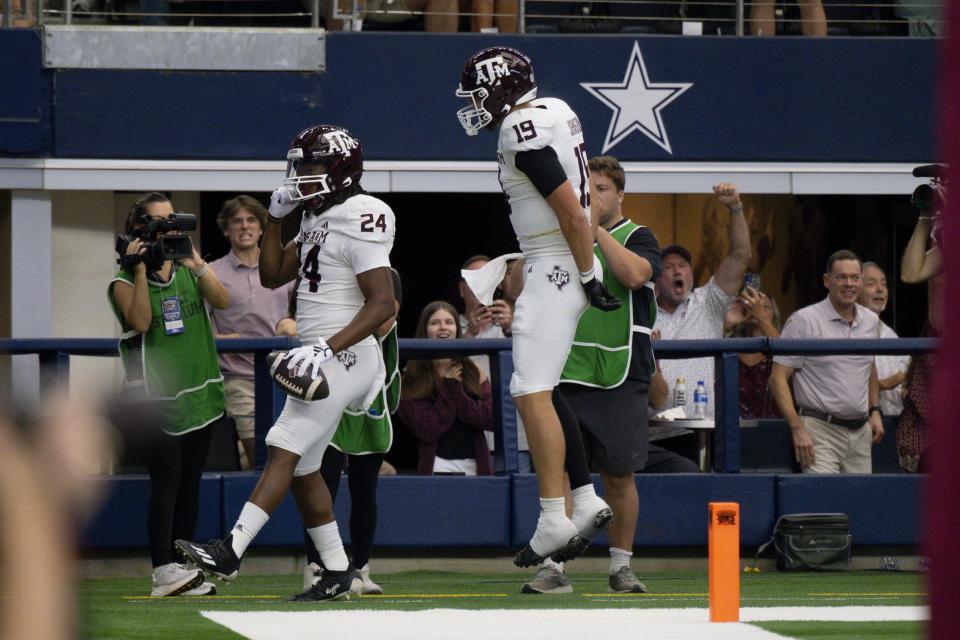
{"points": [[554, 529], [251, 520], [550, 562], [586, 505], [584, 493], [619, 558], [327, 540]]}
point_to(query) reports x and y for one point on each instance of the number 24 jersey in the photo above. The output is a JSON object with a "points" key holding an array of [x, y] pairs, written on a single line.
{"points": [[547, 122], [345, 240]]}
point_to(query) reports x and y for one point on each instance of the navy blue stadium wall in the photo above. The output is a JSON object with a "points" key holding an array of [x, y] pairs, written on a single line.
{"points": [[499, 512], [722, 99]]}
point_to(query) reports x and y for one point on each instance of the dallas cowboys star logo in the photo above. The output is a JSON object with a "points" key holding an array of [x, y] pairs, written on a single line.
{"points": [[636, 103]]}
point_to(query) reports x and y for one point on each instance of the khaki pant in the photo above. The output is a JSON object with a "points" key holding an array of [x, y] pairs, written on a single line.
{"points": [[838, 449], [238, 394]]}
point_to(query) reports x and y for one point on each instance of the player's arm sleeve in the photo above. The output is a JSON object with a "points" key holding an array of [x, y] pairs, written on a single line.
{"points": [[542, 167], [643, 243]]}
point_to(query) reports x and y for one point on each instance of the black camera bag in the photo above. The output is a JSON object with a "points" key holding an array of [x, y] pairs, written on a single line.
{"points": [[811, 542]]}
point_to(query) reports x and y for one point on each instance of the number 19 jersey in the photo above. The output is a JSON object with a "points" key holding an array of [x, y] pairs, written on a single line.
{"points": [[547, 122], [346, 239]]}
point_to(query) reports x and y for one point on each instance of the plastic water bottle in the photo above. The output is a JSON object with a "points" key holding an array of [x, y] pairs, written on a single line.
{"points": [[680, 393], [700, 400]]}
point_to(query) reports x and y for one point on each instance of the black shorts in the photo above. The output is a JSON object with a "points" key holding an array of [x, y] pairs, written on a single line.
{"points": [[613, 423]]}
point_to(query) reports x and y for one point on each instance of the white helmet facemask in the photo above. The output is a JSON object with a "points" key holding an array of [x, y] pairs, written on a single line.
{"points": [[475, 117]]}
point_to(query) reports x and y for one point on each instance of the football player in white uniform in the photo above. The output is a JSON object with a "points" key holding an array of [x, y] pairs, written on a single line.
{"points": [[544, 174], [342, 255]]}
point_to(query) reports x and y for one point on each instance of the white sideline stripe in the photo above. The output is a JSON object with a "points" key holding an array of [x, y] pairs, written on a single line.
{"points": [[562, 624]]}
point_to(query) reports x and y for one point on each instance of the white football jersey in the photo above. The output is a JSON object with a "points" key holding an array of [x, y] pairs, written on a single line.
{"points": [[547, 122], [347, 239]]}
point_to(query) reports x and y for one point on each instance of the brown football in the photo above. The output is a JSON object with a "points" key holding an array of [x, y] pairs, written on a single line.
{"points": [[298, 386]]}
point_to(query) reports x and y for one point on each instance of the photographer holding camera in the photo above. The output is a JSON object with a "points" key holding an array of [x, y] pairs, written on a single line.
{"points": [[170, 362], [922, 262]]}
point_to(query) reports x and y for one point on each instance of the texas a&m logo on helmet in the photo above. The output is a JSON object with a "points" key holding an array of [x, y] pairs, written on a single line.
{"points": [[494, 80], [322, 161]]}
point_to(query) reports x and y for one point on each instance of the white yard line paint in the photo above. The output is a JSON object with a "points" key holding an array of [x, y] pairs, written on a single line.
{"points": [[556, 624]]}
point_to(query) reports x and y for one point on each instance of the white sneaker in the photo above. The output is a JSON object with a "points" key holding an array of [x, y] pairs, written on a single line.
{"points": [[311, 575], [205, 589], [173, 579], [369, 586]]}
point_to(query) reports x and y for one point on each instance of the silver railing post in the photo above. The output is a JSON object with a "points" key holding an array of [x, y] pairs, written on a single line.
{"points": [[315, 18], [740, 17], [67, 12], [521, 17], [7, 8]]}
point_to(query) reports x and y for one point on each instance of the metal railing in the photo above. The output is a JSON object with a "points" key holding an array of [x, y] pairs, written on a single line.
{"points": [[725, 17], [54, 355]]}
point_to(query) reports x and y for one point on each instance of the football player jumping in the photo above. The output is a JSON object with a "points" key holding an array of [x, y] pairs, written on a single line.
{"points": [[544, 174], [342, 254]]}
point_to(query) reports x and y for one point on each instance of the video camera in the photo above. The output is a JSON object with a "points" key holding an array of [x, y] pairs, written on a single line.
{"points": [[929, 199], [158, 248]]}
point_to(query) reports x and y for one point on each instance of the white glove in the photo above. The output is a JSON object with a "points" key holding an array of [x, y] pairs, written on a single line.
{"points": [[308, 358], [281, 203]]}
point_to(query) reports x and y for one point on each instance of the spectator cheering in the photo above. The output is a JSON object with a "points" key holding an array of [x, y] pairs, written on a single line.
{"points": [[833, 411], [687, 313], [447, 403], [891, 370], [754, 314], [253, 312]]}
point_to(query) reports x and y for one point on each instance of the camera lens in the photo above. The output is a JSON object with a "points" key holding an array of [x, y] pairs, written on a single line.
{"points": [[923, 196]]}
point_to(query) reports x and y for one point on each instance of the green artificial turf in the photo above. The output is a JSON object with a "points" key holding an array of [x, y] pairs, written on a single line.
{"points": [[118, 609]]}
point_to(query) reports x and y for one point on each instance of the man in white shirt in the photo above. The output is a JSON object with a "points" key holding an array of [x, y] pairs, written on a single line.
{"points": [[891, 370], [685, 313]]}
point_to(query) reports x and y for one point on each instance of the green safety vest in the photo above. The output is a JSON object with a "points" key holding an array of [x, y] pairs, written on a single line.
{"points": [[603, 345], [372, 430], [180, 372]]}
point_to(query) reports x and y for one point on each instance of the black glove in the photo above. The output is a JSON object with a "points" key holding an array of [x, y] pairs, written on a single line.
{"points": [[599, 296]]}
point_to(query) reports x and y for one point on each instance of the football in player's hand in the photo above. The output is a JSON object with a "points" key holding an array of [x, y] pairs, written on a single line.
{"points": [[294, 383]]}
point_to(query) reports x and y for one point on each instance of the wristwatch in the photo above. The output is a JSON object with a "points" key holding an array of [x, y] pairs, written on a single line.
{"points": [[876, 408]]}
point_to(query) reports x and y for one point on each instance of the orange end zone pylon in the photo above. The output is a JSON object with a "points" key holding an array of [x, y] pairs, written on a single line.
{"points": [[724, 561]]}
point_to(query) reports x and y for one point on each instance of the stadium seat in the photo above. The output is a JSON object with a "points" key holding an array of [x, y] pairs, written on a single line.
{"points": [[852, 18], [647, 17], [570, 17], [717, 18]]}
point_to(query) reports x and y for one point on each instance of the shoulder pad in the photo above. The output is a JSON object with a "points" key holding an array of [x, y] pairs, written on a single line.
{"points": [[527, 129], [363, 218]]}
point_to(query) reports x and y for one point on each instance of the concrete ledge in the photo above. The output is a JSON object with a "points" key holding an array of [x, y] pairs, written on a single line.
{"points": [[183, 48]]}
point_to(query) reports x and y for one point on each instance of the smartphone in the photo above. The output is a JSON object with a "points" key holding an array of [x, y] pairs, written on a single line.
{"points": [[751, 279]]}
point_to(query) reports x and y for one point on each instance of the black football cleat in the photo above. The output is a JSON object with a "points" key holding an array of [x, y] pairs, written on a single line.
{"points": [[332, 585], [216, 557], [576, 545]]}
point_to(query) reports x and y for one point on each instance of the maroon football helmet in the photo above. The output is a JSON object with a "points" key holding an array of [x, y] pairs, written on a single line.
{"points": [[494, 80], [322, 161]]}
